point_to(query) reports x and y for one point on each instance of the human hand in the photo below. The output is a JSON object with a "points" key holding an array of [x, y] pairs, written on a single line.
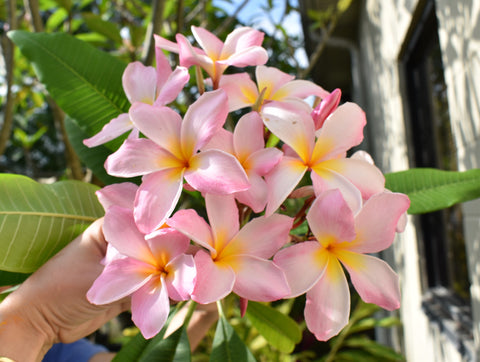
{"points": [[51, 305]]}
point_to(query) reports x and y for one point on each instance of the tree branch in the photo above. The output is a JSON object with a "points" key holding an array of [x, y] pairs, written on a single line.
{"points": [[154, 27], [8, 55]]}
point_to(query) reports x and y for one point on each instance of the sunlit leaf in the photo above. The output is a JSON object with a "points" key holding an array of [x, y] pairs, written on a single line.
{"points": [[37, 220], [279, 330], [431, 189], [84, 81]]}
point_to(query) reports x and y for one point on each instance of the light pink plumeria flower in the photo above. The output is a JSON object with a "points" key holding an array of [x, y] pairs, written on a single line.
{"points": [[234, 260], [170, 154], [150, 271], [272, 85], [144, 84], [343, 238], [242, 48], [323, 152], [247, 144]]}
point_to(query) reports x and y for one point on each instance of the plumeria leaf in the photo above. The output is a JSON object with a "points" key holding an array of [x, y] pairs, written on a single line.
{"points": [[38, 220], [134, 348], [227, 345], [431, 189], [84, 81], [175, 347], [278, 329]]}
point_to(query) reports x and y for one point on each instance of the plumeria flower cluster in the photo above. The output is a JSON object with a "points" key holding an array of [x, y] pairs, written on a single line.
{"points": [[160, 252]]}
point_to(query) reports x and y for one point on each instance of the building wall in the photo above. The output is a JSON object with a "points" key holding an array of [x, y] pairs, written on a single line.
{"points": [[459, 33], [384, 26]]}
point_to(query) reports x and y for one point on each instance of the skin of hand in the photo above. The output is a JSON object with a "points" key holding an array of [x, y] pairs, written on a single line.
{"points": [[51, 306]]}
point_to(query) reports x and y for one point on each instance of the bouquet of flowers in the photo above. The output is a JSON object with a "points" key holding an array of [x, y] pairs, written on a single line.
{"points": [[248, 145]]}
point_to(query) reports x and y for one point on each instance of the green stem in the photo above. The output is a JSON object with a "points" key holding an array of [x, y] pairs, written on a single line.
{"points": [[188, 316], [221, 313]]}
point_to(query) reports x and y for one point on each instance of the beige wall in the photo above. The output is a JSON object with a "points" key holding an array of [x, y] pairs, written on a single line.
{"points": [[383, 30]]}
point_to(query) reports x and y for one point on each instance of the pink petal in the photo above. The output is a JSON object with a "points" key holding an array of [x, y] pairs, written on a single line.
{"points": [[377, 221], [110, 131], [214, 280], [165, 44], [261, 237], [327, 106], [138, 156], [272, 285], [248, 135], [216, 172], [282, 180], [222, 140], [121, 194], [167, 244], [223, 217], [162, 67], [172, 86], [150, 308], [181, 277], [271, 78], [119, 279], [139, 83], [292, 126], [342, 130], [264, 160], [208, 41], [241, 90], [256, 195], [189, 223], [156, 199], [373, 279], [328, 303], [190, 55], [202, 120], [251, 56], [241, 38], [160, 124], [303, 265], [365, 176], [325, 179], [330, 219], [300, 89], [122, 232]]}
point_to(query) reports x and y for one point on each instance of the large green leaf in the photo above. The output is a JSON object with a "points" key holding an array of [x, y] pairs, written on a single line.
{"points": [[278, 329], [227, 345], [84, 81], [38, 220], [431, 189]]}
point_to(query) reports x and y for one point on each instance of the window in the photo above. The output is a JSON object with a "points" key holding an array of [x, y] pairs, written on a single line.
{"points": [[440, 235]]}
